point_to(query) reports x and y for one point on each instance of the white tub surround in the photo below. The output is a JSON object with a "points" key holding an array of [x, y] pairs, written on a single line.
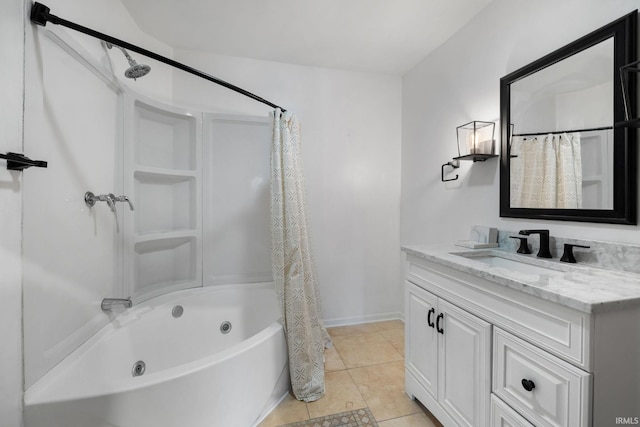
{"points": [[199, 370], [551, 344]]}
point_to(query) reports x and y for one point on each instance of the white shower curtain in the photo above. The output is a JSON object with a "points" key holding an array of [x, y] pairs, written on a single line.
{"points": [[547, 172], [294, 271]]}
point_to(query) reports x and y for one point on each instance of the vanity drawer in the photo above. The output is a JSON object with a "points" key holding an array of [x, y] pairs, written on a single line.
{"points": [[546, 390], [503, 416]]}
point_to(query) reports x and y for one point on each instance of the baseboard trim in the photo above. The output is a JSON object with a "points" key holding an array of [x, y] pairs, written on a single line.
{"points": [[355, 320]]}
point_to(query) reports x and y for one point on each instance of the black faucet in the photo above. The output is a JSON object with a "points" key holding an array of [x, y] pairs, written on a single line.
{"points": [[544, 251]]}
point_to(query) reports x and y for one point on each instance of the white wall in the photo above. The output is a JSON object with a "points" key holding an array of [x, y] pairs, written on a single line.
{"points": [[11, 87], [351, 152], [70, 253], [458, 83]]}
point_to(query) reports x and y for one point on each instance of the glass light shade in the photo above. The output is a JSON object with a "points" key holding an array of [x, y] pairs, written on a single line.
{"points": [[476, 138]]}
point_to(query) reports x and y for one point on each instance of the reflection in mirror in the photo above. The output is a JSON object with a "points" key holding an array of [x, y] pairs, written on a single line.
{"points": [[562, 156], [562, 171], [575, 93], [569, 170], [571, 104]]}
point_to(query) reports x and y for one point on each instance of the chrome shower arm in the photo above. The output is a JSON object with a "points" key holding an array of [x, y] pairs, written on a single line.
{"points": [[132, 62]]}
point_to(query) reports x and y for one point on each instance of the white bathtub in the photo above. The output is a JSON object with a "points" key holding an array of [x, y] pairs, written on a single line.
{"points": [[195, 375]]}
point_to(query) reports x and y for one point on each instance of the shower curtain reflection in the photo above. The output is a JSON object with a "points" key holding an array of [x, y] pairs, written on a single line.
{"points": [[546, 171]]}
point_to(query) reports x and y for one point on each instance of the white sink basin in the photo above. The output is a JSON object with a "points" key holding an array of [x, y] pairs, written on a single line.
{"points": [[511, 264]]}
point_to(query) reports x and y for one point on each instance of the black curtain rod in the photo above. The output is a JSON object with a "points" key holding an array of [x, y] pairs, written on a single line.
{"points": [[40, 15], [563, 131]]}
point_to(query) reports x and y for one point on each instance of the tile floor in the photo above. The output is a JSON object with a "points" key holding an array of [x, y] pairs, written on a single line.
{"points": [[365, 368]]}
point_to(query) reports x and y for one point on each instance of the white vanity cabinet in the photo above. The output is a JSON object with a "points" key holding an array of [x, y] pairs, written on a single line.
{"points": [[508, 357], [449, 357]]}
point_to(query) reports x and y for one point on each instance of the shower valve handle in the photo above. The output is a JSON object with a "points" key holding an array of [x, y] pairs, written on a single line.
{"points": [[90, 199], [122, 198]]}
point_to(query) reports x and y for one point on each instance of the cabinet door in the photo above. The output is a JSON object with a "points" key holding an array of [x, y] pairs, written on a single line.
{"points": [[464, 385], [421, 355]]}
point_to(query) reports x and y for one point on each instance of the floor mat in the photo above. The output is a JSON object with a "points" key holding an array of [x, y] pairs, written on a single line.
{"points": [[357, 418]]}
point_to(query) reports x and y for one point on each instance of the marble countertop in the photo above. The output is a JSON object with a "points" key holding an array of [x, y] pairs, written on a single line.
{"points": [[585, 288]]}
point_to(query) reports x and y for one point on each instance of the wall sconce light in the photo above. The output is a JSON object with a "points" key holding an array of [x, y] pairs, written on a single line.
{"points": [[628, 81], [476, 142]]}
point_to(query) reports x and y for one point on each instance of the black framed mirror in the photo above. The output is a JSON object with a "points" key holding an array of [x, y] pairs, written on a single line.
{"points": [[562, 155]]}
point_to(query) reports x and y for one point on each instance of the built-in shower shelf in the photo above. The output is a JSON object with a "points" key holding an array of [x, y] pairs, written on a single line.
{"points": [[168, 261], [165, 202], [166, 137], [149, 170], [163, 157], [163, 235]]}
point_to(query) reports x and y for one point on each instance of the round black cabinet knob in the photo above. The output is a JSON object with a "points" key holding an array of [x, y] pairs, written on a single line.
{"points": [[528, 384]]}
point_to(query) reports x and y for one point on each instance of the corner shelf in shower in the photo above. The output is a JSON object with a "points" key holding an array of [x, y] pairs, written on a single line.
{"points": [[165, 262], [164, 235], [150, 170], [166, 202], [163, 173]]}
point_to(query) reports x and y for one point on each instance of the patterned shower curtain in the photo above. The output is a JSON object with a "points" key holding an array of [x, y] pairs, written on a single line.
{"points": [[547, 172], [294, 271]]}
